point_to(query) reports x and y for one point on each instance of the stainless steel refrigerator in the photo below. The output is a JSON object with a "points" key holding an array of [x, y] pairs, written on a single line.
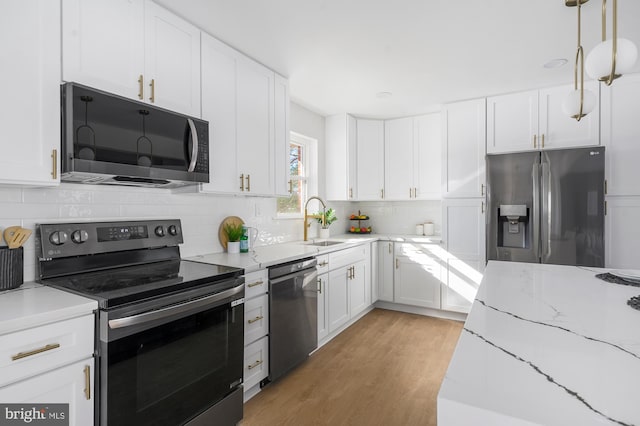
{"points": [[546, 207]]}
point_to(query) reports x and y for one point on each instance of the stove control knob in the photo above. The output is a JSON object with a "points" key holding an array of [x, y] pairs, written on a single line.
{"points": [[58, 238], [159, 231], [173, 230], [79, 236]]}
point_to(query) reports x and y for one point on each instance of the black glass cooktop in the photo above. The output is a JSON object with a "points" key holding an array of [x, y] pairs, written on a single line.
{"points": [[119, 286]]}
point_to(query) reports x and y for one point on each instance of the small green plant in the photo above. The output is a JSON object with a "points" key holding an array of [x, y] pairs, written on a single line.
{"points": [[329, 217], [234, 232]]}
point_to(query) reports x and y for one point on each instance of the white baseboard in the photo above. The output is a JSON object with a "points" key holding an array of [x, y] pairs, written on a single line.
{"points": [[429, 312]]}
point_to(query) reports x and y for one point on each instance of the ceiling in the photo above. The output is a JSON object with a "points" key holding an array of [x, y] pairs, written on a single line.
{"points": [[339, 54]]}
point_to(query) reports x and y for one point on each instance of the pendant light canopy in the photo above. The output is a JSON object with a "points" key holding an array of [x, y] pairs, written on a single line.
{"points": [[611, 58]]}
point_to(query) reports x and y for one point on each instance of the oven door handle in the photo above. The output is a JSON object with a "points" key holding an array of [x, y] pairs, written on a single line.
{"points": [[175, 309]]}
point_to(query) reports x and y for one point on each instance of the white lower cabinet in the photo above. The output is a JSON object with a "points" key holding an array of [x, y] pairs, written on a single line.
{"points": [[385, 271], [72, 384], [52, 363], [256, 331], [323, 324], [418, 275], [338, 298], [622, 233]]}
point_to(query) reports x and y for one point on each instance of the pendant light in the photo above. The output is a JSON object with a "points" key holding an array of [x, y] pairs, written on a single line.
{"points": [[611, 58], [579, 101]]}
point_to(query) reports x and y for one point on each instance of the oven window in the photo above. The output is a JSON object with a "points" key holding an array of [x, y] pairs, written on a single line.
{"points": [[170, 373]]}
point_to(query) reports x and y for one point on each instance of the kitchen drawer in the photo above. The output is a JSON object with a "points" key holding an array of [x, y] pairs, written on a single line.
{"points": [[256, 283], [256, 317], [29, 352], [323, 263], [349, 256], [256, 362]]}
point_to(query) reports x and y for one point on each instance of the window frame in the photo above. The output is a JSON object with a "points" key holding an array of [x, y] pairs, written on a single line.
{"points": [[310, 165]]}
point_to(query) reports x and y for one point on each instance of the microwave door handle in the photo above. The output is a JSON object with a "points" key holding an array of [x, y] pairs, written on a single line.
{"points": [[194, 146]]}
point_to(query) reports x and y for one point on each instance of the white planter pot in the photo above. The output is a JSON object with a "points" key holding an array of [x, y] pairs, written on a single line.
{"points": [[325, 233], [233, 247]]}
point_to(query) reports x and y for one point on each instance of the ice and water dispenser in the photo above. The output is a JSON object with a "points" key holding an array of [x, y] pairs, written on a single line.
{"points": [[513, 221]]}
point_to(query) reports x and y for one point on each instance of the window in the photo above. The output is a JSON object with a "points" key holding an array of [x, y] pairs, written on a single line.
{"points": [[302, 175]]}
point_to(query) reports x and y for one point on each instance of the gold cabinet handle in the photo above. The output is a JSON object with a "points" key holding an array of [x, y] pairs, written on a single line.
{"points": [[482, 189], [605, 187], [254, 365], [253, 284], [323, 263], [535, 141], [45, 348], [258, 318], [543, 140], [248, 182], [319, 286], [353, 274], [382, 193], [482, 207], [605, 208], [152, 98], [87, 382], [389, 248], [141, 87], [350, 192], [290, 186], [54, 164], [242, 182], [397, 263]]}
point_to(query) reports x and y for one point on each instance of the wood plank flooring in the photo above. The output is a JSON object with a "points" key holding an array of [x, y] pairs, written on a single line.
{"points": [[386, 369]]}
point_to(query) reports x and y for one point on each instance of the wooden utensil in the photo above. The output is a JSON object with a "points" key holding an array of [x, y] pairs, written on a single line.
{"points": [[8, 233], [17, 236], [229, 220]]}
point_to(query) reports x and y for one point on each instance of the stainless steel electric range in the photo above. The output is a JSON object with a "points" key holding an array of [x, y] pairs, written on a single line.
{"points": [[169, 332]]}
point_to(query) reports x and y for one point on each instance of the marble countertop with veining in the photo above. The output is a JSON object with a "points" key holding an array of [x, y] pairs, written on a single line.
{"points": [[545, 345]]}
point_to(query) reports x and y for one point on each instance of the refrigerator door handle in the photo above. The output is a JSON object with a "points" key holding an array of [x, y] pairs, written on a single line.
{"points": [[535, 174], [546, 211]]}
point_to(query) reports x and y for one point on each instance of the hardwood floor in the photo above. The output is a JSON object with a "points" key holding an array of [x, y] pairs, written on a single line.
{"points": [[386, 369]]}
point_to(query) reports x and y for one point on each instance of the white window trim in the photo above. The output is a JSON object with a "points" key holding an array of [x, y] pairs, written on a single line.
{"points": [[311, 165]]}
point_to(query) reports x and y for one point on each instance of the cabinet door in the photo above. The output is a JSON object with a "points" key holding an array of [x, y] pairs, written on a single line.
{"points": [[340, 152], [219, 65], [385, 271], [254, 126], [463, 231], [103, 45], [172, 61], [417, 278], [621, 135], [557, 129], [428, 157], [358, 295], [399, 159], [370, 159], [464, 149], [256, 318], [30, 106], [323, 289], [375, 280], [338, 299], [66, 385], [622, 232], [512, 122], [256, 362], [281, 143]]}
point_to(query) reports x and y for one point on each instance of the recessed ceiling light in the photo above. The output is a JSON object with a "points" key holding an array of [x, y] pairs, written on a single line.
{"points": [[556, 63], [383, 95]]}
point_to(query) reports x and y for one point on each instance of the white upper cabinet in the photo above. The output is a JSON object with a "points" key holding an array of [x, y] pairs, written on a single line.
{"points": [[535, 119], [412, 158], [132, 48], [463, 149], [621, 135], [370, 159], [399, 159], [30, 105], [247, 107], [340, 153]]}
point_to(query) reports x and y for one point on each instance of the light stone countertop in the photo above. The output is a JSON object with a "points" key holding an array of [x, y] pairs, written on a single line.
{"points": [[266, 256], [545, 345], [33, 305]]}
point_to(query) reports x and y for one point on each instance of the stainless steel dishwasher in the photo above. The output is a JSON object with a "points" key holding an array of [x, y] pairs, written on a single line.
{"points": [[293, 315]]}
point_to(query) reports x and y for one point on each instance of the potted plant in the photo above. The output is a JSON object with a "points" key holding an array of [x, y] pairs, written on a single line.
{"points": [[234, 233], [329, 218]]}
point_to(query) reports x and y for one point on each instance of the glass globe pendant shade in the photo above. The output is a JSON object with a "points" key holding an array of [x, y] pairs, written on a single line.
{"points": [[598, 63], [571, 104]]}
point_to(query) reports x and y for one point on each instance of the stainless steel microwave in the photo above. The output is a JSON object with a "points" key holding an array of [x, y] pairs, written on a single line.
{"points": [[108, 139]]}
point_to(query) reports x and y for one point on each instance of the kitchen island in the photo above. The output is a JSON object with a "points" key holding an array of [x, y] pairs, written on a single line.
{"points": [[545, 345]]}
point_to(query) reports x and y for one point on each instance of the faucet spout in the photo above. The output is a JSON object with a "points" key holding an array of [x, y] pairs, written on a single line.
{"points": [[313, 216]]}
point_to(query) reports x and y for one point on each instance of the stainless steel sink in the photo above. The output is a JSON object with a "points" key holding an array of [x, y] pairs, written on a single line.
{"points": [[325, 243]]}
